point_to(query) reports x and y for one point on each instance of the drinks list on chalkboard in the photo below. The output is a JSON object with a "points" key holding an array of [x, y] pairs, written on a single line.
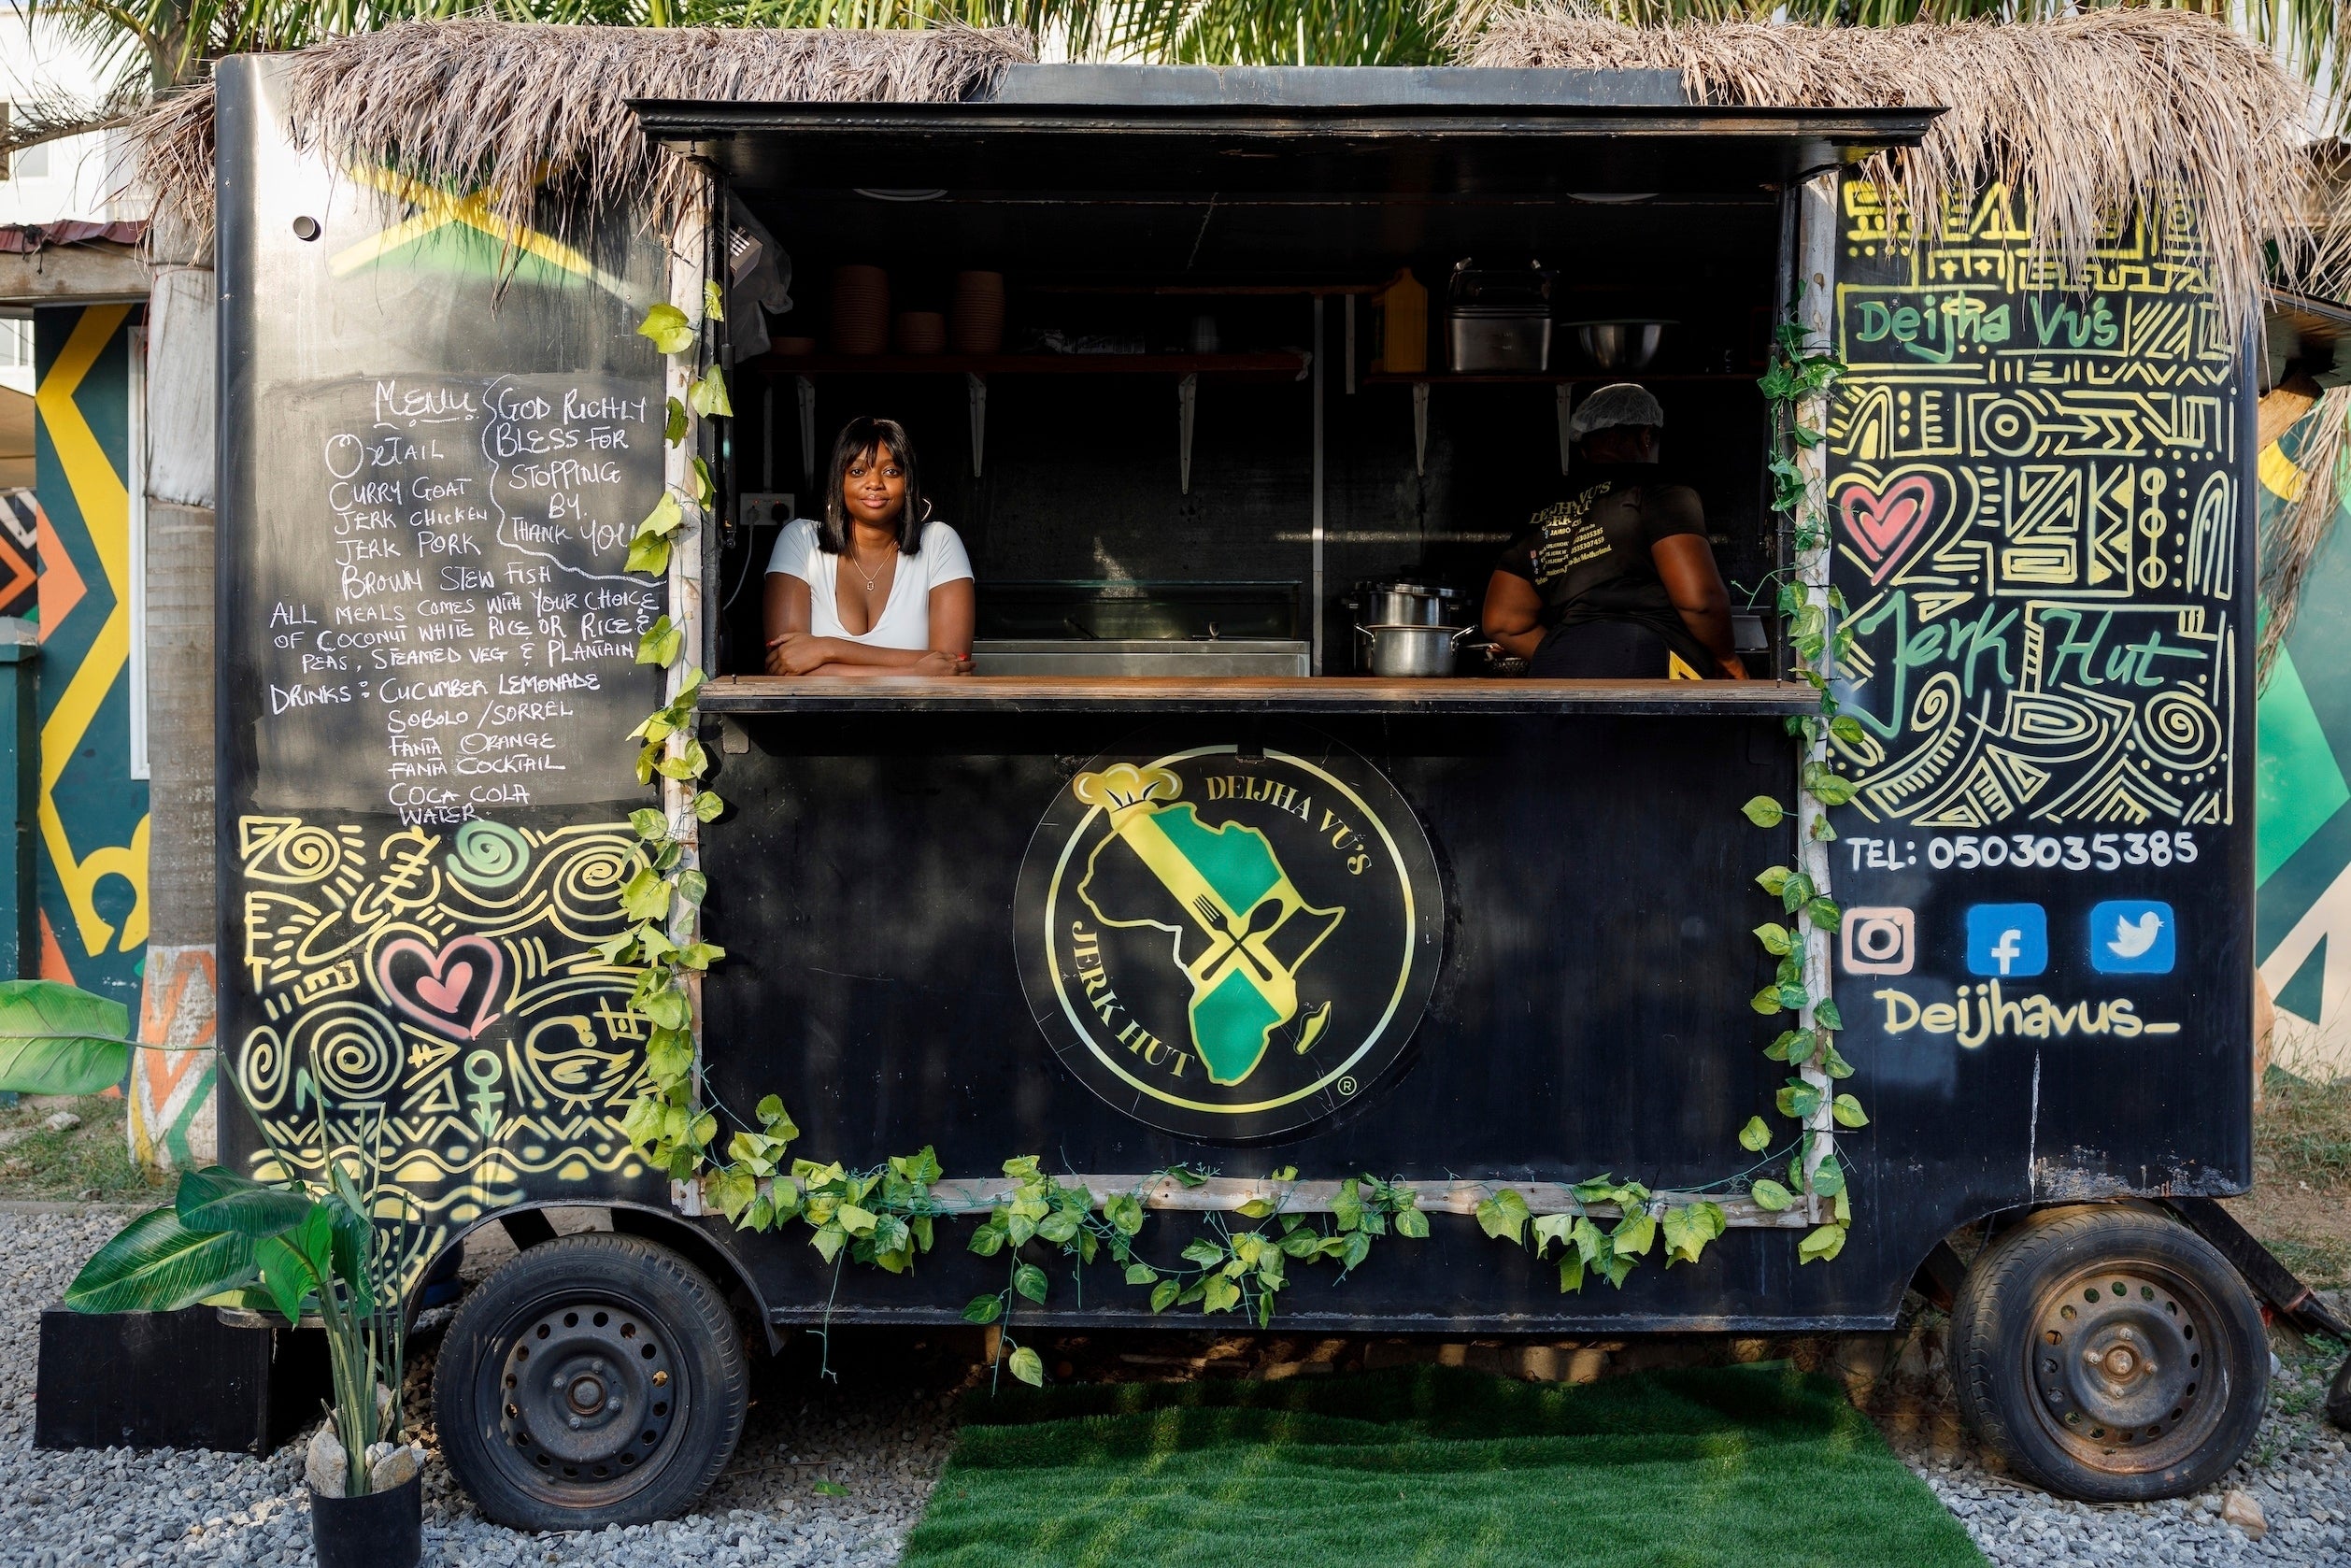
{"points": [[449, 629]]}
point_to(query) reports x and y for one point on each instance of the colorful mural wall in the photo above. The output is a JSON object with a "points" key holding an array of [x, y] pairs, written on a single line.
{"points": [[92, 813], [2303, 862]]}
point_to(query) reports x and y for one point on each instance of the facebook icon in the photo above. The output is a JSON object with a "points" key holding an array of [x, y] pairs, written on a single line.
{"points": [[2007, 939]]}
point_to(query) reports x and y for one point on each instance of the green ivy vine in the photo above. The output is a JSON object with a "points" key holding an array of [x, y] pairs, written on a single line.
{"points": [[888, 1215]]}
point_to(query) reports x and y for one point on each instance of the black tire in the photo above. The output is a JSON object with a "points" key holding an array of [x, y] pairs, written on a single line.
{"points": [[2109, 1354], [596, 1379]]}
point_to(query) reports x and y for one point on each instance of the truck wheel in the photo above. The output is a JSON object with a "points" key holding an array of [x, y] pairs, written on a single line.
{"points": [[2109, 1354], [596, 1379]]}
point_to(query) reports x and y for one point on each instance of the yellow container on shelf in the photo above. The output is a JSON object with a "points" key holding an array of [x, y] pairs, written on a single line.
{"points": [[1403, 325]]}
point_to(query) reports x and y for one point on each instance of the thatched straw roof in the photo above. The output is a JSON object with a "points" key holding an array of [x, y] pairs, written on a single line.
{"points": [[474, 103], [2089, 117]]}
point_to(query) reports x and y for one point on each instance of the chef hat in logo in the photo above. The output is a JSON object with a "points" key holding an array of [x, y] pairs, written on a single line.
{"points": [[1620, 403]]}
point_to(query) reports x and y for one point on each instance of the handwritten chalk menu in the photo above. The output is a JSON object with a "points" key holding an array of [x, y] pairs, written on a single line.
{"points": [[449, 631]]}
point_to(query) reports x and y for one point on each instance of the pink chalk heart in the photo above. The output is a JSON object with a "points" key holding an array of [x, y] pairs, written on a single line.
{"points": [[451, 992], [446, 993], [1884, 524]]}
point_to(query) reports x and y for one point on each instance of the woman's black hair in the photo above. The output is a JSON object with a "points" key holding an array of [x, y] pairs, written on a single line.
{"points": [[861, 436]]}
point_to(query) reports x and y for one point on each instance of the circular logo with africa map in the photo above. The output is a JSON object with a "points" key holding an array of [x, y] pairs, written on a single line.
{"points": [[1229, 945]]}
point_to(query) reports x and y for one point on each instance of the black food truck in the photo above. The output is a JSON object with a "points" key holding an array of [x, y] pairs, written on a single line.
{"points": [[1233, 917]]}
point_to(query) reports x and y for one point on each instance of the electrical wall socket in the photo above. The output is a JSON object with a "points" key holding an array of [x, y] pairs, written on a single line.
{"points": [[759, 507]]}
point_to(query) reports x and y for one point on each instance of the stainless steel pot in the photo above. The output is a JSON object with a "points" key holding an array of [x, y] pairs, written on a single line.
{"points": [[1404, 652], [1403, 604]]}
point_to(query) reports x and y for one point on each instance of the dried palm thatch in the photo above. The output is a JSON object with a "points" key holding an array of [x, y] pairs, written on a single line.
{"points": [[2293, 536], [2091, 117], [509, 108]]}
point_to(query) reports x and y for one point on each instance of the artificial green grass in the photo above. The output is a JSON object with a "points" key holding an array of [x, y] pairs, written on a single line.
{"points": [[1436, 1466]]}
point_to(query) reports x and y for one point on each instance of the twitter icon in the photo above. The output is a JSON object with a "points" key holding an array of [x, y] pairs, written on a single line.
{"points": [[2133, 937]]}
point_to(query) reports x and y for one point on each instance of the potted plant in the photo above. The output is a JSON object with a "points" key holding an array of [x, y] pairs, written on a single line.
{"points": [[231, 1241], [228, 1240]]}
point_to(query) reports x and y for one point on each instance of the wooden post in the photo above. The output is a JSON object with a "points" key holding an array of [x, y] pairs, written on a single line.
{"points": [[1816, 312], [688, 267]]}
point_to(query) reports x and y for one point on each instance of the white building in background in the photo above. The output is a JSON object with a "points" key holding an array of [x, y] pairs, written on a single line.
{"points": [[81, 177]]}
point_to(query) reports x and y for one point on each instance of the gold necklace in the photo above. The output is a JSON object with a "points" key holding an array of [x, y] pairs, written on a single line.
{"points": [[856, 567]]}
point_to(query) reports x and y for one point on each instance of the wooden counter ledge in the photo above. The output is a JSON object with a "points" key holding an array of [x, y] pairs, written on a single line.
{"points": [[1253, 695]]}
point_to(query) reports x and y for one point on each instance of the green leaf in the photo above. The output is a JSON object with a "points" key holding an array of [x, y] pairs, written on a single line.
{"points": [[1632, 1235], [216, 1199], [1142, 1274], [1411, 1222], [830, 1489], [708, 807], [1030, 1281], [1549, 1227], [1847, 729], [714, 305], [1822, 1245], [1798, 1098], [665, 519], [708, 394], [1256, 1208], [649, 554], [1774, 937], [1793, 996], [1770, 1194], [987, 1240], [1825, 1014], [669, 329], [286, 1274], [1765, 812], [703, 487], [661, 643], [649, 823], [1219, 1294], [156, 1264], [1206, 1253], [1849, 1111], [673, 427], [1793, 1045], [1165, 1293], [1773, 878], [1823, 912], [1026, 1365], [55, 1039], [1766, 1001], [1755, 1136], [1828, 1177], [1504, 1216]]}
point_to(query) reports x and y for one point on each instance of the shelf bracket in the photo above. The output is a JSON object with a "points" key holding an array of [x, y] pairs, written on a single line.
{"points": [[1421, 427], [807, 433], [975, 387], [1186, 396], [1565, 395]]}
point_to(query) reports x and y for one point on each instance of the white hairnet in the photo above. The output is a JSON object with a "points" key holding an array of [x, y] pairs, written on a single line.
{"points": [[1621, 403]]}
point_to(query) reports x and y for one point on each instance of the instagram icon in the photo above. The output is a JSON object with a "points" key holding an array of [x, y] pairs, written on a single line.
{"points": [[1877, 941]]}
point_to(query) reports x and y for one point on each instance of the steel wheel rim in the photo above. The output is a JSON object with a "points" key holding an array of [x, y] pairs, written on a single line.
{"points": [[2122, 1367], [588, 1396]]}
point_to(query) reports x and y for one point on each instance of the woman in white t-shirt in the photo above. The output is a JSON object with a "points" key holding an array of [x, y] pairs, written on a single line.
{"points": [[875, 588]]}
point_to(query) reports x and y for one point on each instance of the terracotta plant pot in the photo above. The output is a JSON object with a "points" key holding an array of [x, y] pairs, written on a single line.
{"points": [[860, 310], [922, 332], [979, 312], [382, 1530]]}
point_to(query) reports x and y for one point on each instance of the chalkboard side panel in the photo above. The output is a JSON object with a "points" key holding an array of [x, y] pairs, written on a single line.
{"points": [[436, 434], [2041, 490]]}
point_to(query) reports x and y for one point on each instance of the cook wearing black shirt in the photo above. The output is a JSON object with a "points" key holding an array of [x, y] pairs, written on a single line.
{"points": [[1617, 582]]}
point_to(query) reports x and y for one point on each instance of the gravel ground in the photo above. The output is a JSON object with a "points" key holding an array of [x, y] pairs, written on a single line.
{"points": [[830, 1476], [833, 1475]]}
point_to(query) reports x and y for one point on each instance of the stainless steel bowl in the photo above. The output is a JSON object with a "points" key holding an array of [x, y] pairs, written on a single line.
{"points": [[1411, 652], [1621, 346]]}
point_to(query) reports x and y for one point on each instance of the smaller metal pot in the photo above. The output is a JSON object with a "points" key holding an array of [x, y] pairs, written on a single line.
{"points": [[1402, 604], [1411, 652]]}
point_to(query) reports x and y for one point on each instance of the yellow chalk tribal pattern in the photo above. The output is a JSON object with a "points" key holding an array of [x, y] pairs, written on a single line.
{"points": [[437, 993]]}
